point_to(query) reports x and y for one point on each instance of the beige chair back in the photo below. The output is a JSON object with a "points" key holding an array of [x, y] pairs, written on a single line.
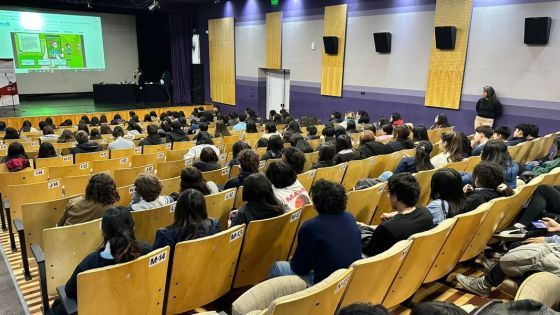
{"points": [[363, 203], [473, 161], [156, 148], [125, 193], [54, 161], [170, 185], [170, 169], [425, 180], [219, 206], [110, 165], [120, 153], [93, 156], [541, 287], [147, 222], [355, 171], [127, 176], [306, 179], [175, 155], [145, 159], [310, 159], [183, 145], [219, 176], [75, 185], [83, 168], [333, 173]]}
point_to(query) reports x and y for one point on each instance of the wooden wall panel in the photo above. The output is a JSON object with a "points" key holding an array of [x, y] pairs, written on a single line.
{"points": [[274, 40], [446, 69], [333, 65], [221, 40]]}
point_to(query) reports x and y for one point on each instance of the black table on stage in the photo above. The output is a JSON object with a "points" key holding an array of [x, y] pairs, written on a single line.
{"points": [[116, 93], [154, 93]]}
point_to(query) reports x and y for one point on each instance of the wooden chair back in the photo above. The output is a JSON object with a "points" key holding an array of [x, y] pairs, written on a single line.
{"points": [[417, 263], [458, 166], [65, 247], [171, 169], [26, 176], [310, 159], [54, 161], [363, 203], [203, 269], [382, 267], [231, 139], [144, 159], [75, 185], [322, 298], [88, 157], [127, 176], [219, 206], [170, 185], [125, 193], [473, 161], [355, 171], [110, 165], [239, 202], [306, 179], [117, 288], [315, 143], [64, 145], [219, 176], [263, 165], [175, 155], [183, 145], [119, 153], [333, 173], [156, 148], [147, 222], [543, 148], [522, 195], [265, 242], [383, 205], [83, 168], [385, 162], [234, 171], [425, 180]]}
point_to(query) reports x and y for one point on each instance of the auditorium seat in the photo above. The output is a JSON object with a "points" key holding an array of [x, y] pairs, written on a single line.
{"points": [[147, 222], [183, 145], [473, 161], [219, 176], [332, 173], [306, 179], [170, 169], [127, 176], [458, 166], [263, 165], [516, 202], [125, 194], [541, 287], [54, 161], [315, 142], [156, 148], [363, 203], [93, 156], [234, 171], [119, 153], [355, 171], [145, 159], [170, 185], [175, 155], [385, 162], [308, 212], [110, 164], [424, 178], [203, 269], [219, 205], [310, 159], [74, 185]]}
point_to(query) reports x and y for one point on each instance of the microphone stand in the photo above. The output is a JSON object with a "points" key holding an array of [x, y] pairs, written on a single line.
{"points": [[11, 89]]}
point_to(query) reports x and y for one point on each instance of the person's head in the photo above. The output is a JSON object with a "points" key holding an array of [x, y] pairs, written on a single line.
{"points": [[401, 132], [533, 131], [42, 125], [106, 129], [251, 126], [46, 150], [491, 176], [82, 137], [370, 127], [311, 130], [278, 119], [190, 214], [262, 143], [483, 133], [453, 144], [336, 115], [131, 114], [501, 133], [148, 186], [203, 126], [83, 127], [118, 132], [47, 130], [270, 127], [328, 197], [239, 146], [242, 117], [221, 129], [363, 309], [327, 153], [447, 185], [135, 126], [271, 114], [204, 137], [441, 121], [117, 226], [350, 126], [257, 188], [102, 189], [339, 130], [117, 117], [298, 141], [147, 118], [363, 117], [66, 136], [295, 158], [420, 133], [103, 119], [153, 114], [489, 94], [522, 131], [26, 126], [281, 174], [152, 130], [11, 133], [192, 178], [367, 136], [94, 134], [328, 131], [496, 151], [293, 126], [437, 308], [404, 191], [15, 150], [275, 144], [395, 117], [422, 156], [85, 119], [208, 155], [387, 129], [2, 126], [248, 161], [343, 142], [49, 121], [176, 125]]}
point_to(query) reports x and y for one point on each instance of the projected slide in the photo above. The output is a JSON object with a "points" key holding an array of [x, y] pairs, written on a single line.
{"points": [[44, 42]]}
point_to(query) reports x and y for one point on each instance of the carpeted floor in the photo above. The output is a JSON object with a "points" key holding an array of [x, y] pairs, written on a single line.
{"points": [[9, 301]]}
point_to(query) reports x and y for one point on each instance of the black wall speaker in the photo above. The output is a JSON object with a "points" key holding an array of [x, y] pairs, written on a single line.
{"points": [[197, 84], [331, 45], [382, 42], [537, 30], [445, 37]]}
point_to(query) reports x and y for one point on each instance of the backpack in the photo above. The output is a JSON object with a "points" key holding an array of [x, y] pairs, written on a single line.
{"points": [[17, 164]]}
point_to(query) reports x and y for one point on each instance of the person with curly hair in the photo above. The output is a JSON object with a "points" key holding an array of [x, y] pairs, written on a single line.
{"points": [[101, 194], [327, 242], [147, 193], [249, 163]]}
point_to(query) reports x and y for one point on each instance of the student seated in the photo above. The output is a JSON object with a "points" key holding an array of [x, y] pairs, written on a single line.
{"points": [[440, 122], [251, 126], [496, 151], [312, 133], [120, 142], [84, 145], [533, 132], [11, 133], [420, 133], [16, 159], [66, 136], [545, 202], [351, 126], [481, 135], [237, 147], [369, 146], [295, 158], [519, 134], [327, 242], [241, 125], [260, 201], [95, 134], [400, 139], [501, 133], [147, 193], [274, 148], [203, 140], [133, 129], [153, 137], [208, 161], [46, 150], [326, 157], [287, 189], [298, 141], [100, 195], [328, 135], [190, 221], [408, 219], [119, 246], [452, 143], [48, 134], [221, 130], [489, 183], [177, 134], [344, 150], [419, 162], [191, 178], [270, 128], [446, 194], [249, 164], [26, 127]]}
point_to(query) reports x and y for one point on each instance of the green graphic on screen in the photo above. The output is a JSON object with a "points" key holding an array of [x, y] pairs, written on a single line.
{"points": [[48, 51]]}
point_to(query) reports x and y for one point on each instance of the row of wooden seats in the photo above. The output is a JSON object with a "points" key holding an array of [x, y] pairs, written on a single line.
{"points": [[532, 150]]}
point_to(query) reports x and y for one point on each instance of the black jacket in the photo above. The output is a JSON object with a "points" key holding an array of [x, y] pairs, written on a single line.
{"points": [[170, 236], [237, 181], [255, 211], [150, 140], [270, 155], [87, 147], [478, 197], [373, 148], [399, 144], [322, 164], [486, 109], [206, 167], [341, 158], [177, 135]]}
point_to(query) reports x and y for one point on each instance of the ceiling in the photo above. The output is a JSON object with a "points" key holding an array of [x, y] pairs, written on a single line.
{"points": [[122, 6]]}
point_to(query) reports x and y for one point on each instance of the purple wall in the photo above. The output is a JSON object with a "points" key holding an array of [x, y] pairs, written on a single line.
{"points": [[305, 98]]}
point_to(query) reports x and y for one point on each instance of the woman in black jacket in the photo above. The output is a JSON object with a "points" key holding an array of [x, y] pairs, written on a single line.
{"points": [[153, 137], [260, 201], [401, 140], [489, 182], [274, 148], [326, 156], [369, 147], [344, 149], [208, 160], [488, 108]]}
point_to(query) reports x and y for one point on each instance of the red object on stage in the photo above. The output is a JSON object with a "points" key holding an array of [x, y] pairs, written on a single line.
{"points": [[9, 89]]}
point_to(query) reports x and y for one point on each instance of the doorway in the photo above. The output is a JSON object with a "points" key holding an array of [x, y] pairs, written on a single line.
{"points": [[277, 90]]}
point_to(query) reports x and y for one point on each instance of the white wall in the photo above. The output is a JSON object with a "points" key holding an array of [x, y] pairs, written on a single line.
{"points": [[250, 49], [297, 56]]}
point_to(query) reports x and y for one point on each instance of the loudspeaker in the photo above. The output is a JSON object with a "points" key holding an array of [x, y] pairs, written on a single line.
{"points": [[537, 30], [445, 37], [197, 84], [331, 45], [382, 42]]}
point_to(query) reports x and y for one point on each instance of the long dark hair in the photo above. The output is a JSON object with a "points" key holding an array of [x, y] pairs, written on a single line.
{"points": [[191, 178], [117, 226], [447, 185], [453, 144], [293, 126], [257, 188], [298, 141], [11, 133], [25, 127], [251, 126], [46, 150], [15, 150], [496, 151], [420, 133], [441, 122], [221, 129], [491, 95], [422, 157], [190, 214], [275, 144]]}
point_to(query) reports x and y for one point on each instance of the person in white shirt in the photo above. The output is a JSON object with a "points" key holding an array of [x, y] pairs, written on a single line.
{"points": [[452, 150], [287, 189], [48, 134], [203, 140], [120, 142], [147, 193], [270, 130]]}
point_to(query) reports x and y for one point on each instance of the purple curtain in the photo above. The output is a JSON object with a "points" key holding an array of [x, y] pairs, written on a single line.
{"points": [[180, 29]]}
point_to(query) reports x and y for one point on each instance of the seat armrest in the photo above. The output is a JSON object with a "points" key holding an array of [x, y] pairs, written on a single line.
{"points": [[18, 224], [69, 304], [38, 253]]}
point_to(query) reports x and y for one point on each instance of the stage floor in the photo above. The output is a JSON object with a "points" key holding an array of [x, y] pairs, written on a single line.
{"points": [[66, 106]]}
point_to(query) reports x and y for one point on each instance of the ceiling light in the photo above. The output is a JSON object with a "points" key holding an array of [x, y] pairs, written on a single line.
{"points": [[154, 5]]}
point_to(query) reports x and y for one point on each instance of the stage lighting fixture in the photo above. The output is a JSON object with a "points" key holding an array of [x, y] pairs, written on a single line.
{"points": [[154, 5]]}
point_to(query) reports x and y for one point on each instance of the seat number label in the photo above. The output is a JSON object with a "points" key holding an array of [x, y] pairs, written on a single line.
{"points": [[156, 259], [235, 235]]}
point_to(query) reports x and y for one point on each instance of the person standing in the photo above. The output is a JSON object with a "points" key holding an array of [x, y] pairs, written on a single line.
{"points": [[488, 108]]}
